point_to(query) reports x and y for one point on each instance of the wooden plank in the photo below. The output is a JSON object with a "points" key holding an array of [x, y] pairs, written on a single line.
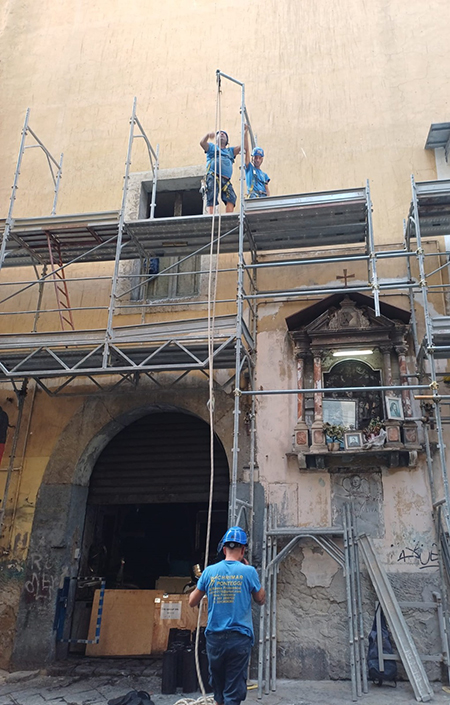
{"points": [[187, 619], [127, 623]]}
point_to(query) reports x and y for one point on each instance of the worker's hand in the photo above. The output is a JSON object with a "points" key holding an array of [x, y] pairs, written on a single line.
{"points": [[246, 128], [245, 561], [211, 135]]}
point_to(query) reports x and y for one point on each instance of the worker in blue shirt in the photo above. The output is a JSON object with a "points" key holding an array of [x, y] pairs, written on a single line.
{"points": [[219, 169], [229, 586], [257, 180]]}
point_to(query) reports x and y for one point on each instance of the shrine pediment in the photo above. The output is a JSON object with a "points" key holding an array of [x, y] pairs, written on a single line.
{"points": [[349, 318], [308, 315]]}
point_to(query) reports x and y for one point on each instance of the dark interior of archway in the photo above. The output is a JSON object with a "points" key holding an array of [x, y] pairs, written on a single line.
{"points": [[148, 501]]}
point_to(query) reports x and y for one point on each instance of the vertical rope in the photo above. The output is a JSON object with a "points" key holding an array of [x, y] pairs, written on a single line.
{"points": [[212, 296]]}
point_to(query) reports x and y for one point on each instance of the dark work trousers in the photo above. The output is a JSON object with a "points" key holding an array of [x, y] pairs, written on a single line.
{"points": [[228, 657]]}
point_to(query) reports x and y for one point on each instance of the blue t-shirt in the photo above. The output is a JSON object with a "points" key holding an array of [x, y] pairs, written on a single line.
{"points": [[256, 178], [226, 156], [229, 586]]}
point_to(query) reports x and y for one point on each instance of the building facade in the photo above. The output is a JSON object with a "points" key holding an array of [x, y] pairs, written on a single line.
{"points": [[138, 333]]}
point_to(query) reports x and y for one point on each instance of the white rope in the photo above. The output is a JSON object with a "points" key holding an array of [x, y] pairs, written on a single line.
{"points": [[209, 700], [212, 296]]}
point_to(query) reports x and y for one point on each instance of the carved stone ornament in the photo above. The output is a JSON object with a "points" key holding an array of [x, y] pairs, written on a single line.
{"points": [[348, 316]]}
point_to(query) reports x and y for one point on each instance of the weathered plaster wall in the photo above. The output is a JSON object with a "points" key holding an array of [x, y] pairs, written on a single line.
{"points": [[312, 629], [393, 506]]}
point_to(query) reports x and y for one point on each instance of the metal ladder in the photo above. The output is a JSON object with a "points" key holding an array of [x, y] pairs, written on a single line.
{"points": [[391, 608], [60, 283]]}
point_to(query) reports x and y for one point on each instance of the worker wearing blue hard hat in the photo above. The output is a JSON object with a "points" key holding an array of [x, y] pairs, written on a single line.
{"points": [[229, 586], [219, 169], [257, 180]]}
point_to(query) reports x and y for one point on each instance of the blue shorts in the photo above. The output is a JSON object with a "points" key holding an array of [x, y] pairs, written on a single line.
{"points": [[227, 193], [228, 657]]}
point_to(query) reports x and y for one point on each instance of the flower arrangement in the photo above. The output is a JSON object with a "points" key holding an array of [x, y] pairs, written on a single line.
{"points": [[373, 429], [335, 432], [375, 433]]}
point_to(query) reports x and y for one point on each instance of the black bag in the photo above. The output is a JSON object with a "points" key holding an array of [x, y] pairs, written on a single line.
{"points": [[134, 697], [373, 664]]}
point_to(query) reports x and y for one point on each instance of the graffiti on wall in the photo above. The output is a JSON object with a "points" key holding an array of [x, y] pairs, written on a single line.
{"points": [[426, 558], [41, 583]]}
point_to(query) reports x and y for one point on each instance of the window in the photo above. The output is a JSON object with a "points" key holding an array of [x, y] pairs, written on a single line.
{"points": [[170, 204], [179, 281]]}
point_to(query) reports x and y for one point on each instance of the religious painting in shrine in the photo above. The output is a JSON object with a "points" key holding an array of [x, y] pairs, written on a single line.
{"points": [[355, 373]]}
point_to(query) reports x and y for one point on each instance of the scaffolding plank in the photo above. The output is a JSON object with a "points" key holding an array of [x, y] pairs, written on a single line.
{"points": [[433, 202], [170, 345], [274, 223]]}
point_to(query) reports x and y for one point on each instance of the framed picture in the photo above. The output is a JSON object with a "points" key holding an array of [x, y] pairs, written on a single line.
{"points": [[339, 412], [394, 408], [353, 439]]}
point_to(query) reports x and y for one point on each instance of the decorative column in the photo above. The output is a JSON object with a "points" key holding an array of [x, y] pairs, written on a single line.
{"points": [[393, 436], [318, 435], [301, 429], [410, 437], [387, 364]]}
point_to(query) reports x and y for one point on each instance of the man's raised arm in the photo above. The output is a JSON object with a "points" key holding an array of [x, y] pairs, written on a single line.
{"points": [[204, 140]]}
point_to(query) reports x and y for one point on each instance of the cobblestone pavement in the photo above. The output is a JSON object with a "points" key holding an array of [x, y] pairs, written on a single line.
{"points": [[96, 683]]}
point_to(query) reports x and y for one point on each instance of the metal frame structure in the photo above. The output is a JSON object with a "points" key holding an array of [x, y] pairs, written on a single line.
{"points": [[346, 557], [114, 354]]}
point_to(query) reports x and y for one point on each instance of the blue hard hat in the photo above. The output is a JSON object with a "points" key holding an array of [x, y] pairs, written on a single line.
{"points": [[233, 535], [258, 152]]}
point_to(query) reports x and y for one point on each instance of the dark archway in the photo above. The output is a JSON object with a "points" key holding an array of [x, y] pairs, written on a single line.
{"points": [[57, 541], [147, 507]]}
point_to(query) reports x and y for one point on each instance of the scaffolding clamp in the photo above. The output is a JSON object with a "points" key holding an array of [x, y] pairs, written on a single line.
{"points": [[434, 385], [237, 392], [419, 251], [423, 282]]}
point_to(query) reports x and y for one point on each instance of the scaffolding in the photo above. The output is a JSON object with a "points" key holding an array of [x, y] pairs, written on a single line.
{"points": [[278, 227]]}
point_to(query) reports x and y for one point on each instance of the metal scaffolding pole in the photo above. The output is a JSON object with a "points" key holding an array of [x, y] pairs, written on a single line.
{"points": [[21, 396], [372, 254], [153, 155], [9, 218], [434, 386]]}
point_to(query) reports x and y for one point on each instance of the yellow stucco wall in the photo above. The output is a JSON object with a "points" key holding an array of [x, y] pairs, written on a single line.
{"points": [[337, 93]]}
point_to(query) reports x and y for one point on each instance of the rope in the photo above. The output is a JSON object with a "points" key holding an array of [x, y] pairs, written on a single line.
{"points": [[212, 297], [191, 701]]}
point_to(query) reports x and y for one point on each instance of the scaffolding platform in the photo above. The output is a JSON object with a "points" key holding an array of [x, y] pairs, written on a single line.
{"points": [[160, 347], [274, 223], [433, 208], [308, 220], [440, 328]]}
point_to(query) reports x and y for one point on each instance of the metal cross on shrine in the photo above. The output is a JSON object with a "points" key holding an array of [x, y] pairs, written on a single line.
{"points": [[346, 277]]}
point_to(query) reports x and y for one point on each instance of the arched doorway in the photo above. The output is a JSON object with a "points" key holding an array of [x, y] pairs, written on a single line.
{"points": [[147, 507]]}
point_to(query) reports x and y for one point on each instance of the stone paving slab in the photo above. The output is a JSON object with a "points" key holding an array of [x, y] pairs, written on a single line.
{"points": [[49, 690]]}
